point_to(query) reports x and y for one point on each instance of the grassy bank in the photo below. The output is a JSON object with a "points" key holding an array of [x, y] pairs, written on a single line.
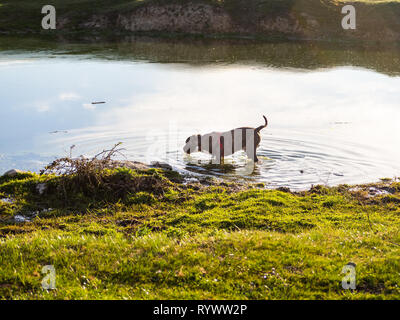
{"points": [[301, 19], [143, 234]]}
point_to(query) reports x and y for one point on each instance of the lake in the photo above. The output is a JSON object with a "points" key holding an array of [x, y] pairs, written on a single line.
{"points": [[333, 109]]}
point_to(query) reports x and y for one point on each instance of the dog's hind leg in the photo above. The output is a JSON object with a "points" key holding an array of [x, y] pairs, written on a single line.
{"points": [[252, 155], [221, 149], [250, 145]]}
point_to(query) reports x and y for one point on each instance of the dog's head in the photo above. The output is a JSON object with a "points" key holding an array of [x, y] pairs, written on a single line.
{"points": [[191, 144]]}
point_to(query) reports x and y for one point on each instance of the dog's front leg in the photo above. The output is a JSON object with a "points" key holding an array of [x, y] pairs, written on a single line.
{"points": [[216, 148], [218, 155]]}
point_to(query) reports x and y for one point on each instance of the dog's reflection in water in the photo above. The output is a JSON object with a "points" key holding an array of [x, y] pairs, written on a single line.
{"points": [[226, 168], [222, 168]]}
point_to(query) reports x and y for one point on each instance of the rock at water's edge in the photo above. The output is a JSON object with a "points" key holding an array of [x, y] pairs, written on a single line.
{"points": [[12, 173]]}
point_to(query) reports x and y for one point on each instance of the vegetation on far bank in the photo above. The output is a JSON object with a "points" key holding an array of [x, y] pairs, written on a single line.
{"points": [[300, 19], [120, 233]]}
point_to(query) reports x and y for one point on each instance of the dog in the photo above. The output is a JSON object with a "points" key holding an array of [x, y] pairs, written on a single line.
{"points": [[220, 144]]}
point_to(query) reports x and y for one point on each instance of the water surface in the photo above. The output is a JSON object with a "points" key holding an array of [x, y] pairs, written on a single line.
{"points": [[333, 112]]}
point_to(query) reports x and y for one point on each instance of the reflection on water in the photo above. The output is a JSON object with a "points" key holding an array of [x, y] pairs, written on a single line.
{"points": [[381, 57], [336, 125]]}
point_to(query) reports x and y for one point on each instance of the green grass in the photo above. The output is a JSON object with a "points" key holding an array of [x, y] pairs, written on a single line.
{"points": [[197, 242]]}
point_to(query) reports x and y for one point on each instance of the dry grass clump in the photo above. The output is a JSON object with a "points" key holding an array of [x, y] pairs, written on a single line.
{"points": [[101, 178], [87, 168]]}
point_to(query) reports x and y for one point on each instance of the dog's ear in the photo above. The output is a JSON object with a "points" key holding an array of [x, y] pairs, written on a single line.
{"points": [[187, 140]]}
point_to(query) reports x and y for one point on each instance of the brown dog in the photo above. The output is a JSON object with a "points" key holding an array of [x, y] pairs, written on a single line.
{"points": [[220, 144]]}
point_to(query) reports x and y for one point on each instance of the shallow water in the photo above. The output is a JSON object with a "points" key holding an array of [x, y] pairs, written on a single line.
{"points": [[331, 122]]}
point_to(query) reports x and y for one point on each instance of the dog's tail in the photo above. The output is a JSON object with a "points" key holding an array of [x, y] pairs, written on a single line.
{"points": [[263, 126]]}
